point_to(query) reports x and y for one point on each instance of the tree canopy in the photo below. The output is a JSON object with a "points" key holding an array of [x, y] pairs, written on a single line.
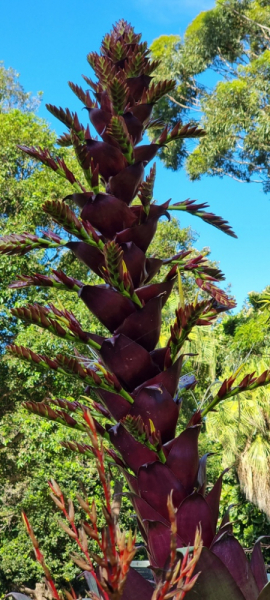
{"points": [[12, 93], [222, 68], [242, 426]]}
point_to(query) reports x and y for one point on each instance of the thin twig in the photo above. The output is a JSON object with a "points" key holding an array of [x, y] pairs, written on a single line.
{"points": [[251, 21], [183, 105]]}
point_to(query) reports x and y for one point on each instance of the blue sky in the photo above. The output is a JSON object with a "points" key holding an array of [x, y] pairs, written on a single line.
{"points": [[47, 44]]}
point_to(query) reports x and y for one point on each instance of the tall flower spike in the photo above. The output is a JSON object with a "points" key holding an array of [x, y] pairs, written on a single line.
{"points": [[137, 385]]}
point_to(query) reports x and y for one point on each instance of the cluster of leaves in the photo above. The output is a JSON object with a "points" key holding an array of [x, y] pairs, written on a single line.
{"points": [[245, 433], [12, 93], [233, 40], [239, 431]]}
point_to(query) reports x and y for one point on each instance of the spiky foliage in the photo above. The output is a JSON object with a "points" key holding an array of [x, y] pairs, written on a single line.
{"points": [[201, 313], [57, 279], [146, 189], [21, 244], [137, 385], [197, 210], [64, 216], [116, 549]]}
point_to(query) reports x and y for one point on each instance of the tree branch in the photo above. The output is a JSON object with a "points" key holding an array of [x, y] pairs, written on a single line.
{"points": [[183, 105], [245, 162], [229, 67], [263, 27], [220, 171]]}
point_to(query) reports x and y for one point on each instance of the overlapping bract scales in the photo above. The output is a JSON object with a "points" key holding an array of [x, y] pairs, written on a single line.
{"points": [[139, 385]]}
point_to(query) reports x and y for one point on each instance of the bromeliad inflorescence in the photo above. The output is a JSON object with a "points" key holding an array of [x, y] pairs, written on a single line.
{"points": [[137, 383]]}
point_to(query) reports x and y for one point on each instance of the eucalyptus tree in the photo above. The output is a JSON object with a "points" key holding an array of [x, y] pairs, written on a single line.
{"points": [[222, 68]]}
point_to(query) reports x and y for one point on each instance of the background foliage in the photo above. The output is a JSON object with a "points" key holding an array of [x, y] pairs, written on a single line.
{"points": [[222, 69]]}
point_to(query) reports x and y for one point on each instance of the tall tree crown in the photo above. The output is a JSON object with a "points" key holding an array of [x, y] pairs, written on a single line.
{"points": [[231, 40]]}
